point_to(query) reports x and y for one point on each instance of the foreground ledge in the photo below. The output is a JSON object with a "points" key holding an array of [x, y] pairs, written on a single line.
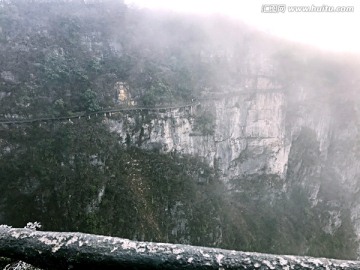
{"points": [[57, 250]]}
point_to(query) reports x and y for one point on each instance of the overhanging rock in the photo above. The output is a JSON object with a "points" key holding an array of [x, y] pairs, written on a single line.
{"points": [[57, 250]]}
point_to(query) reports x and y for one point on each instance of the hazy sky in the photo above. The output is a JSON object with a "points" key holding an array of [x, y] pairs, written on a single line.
{"points": [[331, 30]]}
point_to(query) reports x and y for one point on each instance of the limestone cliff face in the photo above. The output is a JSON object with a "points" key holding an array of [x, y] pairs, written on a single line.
{"points": [[264, 133], [248, 136], [253, 132]]}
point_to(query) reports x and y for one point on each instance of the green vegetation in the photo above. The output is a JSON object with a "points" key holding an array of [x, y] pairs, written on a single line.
{"points": [[158, 93], [205, 123], [78, 178]]}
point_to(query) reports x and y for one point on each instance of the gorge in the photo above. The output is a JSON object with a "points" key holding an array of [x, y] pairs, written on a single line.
{"points": [[244, 141]]}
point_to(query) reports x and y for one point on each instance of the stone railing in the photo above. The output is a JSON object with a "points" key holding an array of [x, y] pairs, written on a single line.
{"points": [[57, 250]]}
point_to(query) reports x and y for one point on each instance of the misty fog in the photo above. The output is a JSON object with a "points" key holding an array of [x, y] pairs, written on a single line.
{"points": [[167, 126]]}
